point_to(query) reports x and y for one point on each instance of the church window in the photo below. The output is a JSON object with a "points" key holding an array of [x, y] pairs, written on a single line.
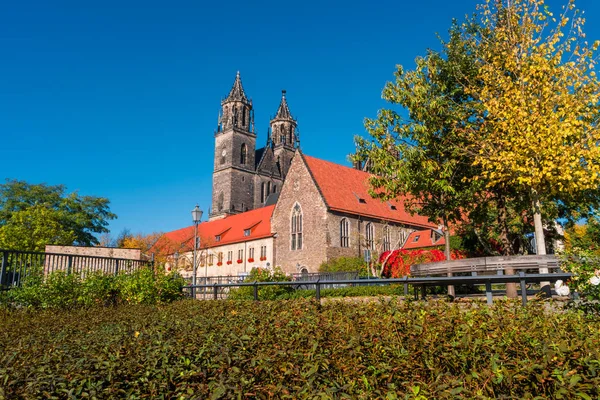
{"points": [[386, 239], [344, 233], [296, 228], [220, 202], [243, 116], [243, 154], [274, 188], [223, 154], [370, 236], [402, 236], [268, 188], [262, 193]]}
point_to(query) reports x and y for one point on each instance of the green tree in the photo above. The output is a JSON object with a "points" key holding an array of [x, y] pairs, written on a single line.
{"points": [[33, 215], [538, 93]]}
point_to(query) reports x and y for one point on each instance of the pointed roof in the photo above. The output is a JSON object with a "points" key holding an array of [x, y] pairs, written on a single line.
{"points": [[346, 190], [424, 238], [283, 112], [237, 91]]}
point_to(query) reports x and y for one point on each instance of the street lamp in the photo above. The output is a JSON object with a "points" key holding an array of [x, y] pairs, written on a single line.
{"points": [[196, 217]]}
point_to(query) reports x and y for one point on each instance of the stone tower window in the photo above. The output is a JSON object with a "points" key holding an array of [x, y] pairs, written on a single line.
{"points": [[370, 236], [243, 154], [344, 233], [243, 117], [223, 154], [262, 193], [220, 202], [296, 230]]}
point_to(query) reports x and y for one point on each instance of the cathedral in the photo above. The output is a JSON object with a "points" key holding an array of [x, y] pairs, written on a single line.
{"points": [[246, 177], [276, 206]]}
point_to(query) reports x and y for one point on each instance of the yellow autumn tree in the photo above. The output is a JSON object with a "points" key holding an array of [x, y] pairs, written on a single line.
{"points": [[538, 96]]}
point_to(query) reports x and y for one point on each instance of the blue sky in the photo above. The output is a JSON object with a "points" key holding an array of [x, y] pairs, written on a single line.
{"points": [[120, 98]]}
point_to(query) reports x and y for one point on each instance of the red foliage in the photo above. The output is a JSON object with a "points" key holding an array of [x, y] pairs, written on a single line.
{"points": [[399, 262]]}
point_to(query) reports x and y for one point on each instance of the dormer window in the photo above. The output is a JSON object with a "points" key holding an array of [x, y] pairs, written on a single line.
{"points": [[218, 238], [246, 232], [416, 239]]}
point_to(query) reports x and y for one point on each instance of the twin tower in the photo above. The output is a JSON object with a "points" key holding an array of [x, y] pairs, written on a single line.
{"points": [[245, 177]]}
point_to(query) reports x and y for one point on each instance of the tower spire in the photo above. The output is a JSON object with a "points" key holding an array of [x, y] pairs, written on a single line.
{"points": [[237, 91], [283, 112]]}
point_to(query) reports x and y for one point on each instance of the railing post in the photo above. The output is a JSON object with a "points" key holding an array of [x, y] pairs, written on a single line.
{"points": [[255, 291], [69, 264], [3, 266], [318, 290], [488, 293], [405, 286], [523, 288], [216, 292]]}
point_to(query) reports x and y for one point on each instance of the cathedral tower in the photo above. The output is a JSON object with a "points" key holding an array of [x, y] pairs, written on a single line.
{"points": [[284, 136], [234, 164]]}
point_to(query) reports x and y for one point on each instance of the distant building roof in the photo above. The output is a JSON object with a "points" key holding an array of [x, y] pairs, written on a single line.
{"points": [[346, 189], [424, 238], [228, 230]]}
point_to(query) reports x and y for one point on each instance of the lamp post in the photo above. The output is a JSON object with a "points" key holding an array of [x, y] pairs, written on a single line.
{"points": [[196, 217]]}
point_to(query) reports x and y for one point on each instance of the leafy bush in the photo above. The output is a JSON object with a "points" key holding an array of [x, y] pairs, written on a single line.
{"points": [[349, 291], [297, 349], [264, 292], [585, 265], [397, 263], [59, 290], [345, 264]]}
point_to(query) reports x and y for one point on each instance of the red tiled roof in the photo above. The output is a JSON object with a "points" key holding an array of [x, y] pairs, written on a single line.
{"points": [[347, 190], [421, 239], [231, 229]]}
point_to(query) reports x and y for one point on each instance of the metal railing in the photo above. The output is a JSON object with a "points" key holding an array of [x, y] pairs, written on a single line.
{"points": [[496, 265], [417, 283], [15, 265]]}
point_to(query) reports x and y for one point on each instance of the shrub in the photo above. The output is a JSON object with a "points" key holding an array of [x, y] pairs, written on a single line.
{"points": [[399, 262], [264, 292], [297, 349], [59, 290], [585, 266], [345, 264]]}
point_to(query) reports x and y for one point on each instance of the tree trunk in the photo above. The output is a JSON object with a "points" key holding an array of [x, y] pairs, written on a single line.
{"points": [[540, 242], [451, 291], [511, 288]]}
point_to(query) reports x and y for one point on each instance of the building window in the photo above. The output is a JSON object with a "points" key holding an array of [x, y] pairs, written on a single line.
{"points": [[243, 154], [223, 154], [220, 257], [220, 202], [416, 239], [263, 252], [218, 238], [370, 236], [251, 253], [211, 259], [268, 188], [386, 239], [345, 233], [402, 236], [246, 232], [230, 255], [241, 254], [296, 228]]}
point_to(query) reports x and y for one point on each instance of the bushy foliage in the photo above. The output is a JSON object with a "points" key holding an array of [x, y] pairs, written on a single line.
{"points": [[349, 291], [585, 266], [264, 292], [61, 290], [298, 349], [398, 262], [345, 264]]}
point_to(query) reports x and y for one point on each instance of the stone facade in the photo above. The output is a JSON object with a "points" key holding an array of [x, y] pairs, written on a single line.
{"points": [[110, 252]]}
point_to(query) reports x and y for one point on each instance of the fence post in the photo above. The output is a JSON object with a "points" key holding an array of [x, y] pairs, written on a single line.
{"points": [[488, 293], [318, 290], [405, 286], [216, 292], [255, 291], [3, 266], [117, 266], [69, 264], [523, 288]]}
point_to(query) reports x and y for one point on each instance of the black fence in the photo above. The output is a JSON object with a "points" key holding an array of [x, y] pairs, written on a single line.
{"points": [[419, 285], [15, 266]]}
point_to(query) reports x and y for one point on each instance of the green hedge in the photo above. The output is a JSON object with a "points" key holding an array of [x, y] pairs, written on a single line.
{"points": [[59, 290], [298, 349]]}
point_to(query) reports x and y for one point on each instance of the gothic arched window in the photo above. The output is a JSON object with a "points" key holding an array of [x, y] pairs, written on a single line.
{"points": [[387, 239], [262, 193], [296, 228], [243, 154], [220, 202], [243, 116], [370, 236], [344, 233]]}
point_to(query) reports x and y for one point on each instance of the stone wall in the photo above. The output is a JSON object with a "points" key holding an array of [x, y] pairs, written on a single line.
{"points": [[111, 252], [300, 188]]}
